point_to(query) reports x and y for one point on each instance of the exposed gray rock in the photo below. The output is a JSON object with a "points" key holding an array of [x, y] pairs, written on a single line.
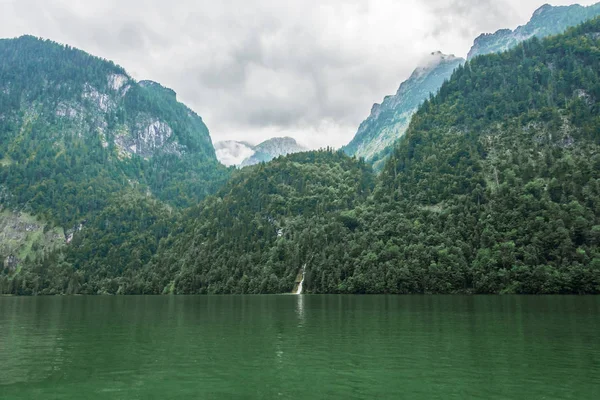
{"points": [[101, 100], [117, 81], [149, 135], [586, 97], [11, 262], [545, 21], [389, 120]]}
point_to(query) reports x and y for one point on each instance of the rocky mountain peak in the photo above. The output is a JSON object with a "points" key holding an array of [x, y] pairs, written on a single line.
{"points": [[542, 10], [432, 61]]}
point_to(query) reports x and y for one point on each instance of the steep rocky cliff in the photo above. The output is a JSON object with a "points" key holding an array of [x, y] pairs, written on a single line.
{"points": [[389, 120]]}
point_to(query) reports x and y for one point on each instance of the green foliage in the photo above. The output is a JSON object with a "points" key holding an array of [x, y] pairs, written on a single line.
{"points": [[254, 235], [63, 114], [106, 253]]}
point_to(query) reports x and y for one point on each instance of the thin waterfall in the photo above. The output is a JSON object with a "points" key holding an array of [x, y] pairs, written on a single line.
{"points": [[299, 291]]}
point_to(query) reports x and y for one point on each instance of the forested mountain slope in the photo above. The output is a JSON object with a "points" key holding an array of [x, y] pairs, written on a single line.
{"points": [[75, 128], [256, 234], [389, 120], [494, 189], [103, 256], [496, 186]]}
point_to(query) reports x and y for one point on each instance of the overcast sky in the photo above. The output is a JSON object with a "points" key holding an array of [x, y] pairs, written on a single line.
{"points": [[254, 69]]}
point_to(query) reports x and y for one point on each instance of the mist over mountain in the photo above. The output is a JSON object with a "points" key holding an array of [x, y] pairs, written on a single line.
{"points": [[389, 120], [231, 152], [244, 154]]}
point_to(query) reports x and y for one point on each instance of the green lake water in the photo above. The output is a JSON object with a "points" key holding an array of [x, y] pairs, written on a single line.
{"points": [[300, 347]]}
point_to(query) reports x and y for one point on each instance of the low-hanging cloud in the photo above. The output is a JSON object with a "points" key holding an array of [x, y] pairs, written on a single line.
{"points": [[260, 68]]}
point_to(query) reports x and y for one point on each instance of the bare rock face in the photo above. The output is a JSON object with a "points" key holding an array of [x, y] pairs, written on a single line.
{"points": [[22, 234], [11, 263], [117, 81], [389, 120], [586, 97], [100, 100], [153, 135], [545, 21], [149, 135]]}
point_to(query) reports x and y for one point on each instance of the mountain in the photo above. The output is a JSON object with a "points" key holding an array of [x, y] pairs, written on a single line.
{"points": [[244, 154], [76, 129], [494, 188], [389, 121], [273, 148], [70, 119], [241, 240], [545, 21]]}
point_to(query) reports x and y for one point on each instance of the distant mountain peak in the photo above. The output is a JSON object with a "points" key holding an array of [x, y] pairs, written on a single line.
{"points": [[546, 20], [431, 61], [542, 10], [389, 119], [286, 140], [437, 57], [231, 152]]}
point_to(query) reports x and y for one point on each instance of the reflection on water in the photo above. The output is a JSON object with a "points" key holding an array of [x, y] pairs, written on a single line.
{"points": [[300, 309], [304, 346]]}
